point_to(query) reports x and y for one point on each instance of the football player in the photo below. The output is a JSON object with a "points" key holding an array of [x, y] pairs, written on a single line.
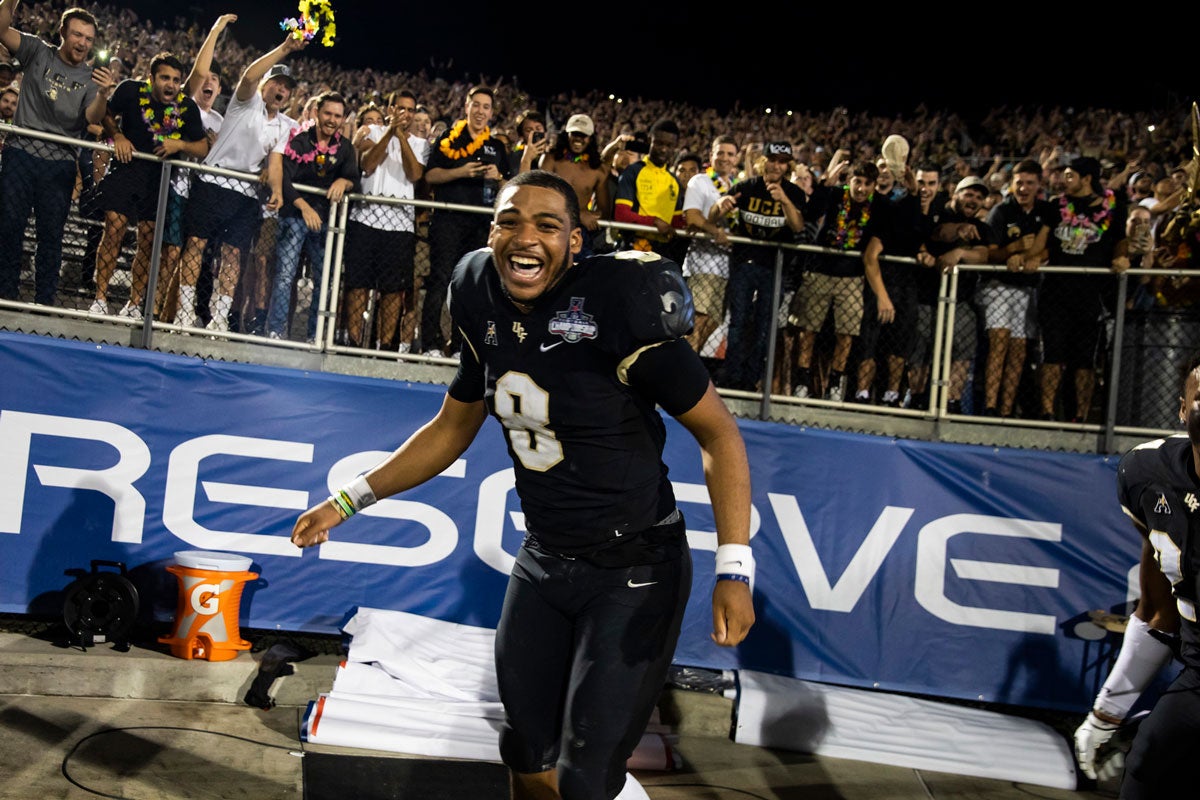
{"points": [[1157, 484], [574, 360]]}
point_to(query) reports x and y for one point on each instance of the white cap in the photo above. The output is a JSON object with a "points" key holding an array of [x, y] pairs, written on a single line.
{"points": [[580, 123]]}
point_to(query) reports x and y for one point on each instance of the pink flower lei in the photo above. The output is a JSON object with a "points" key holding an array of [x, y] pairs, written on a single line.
{"points": [[311, 155]]}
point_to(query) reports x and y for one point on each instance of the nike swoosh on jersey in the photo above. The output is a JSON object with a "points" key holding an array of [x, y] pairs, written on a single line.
{"points": [[543, 347], [633, 585]]}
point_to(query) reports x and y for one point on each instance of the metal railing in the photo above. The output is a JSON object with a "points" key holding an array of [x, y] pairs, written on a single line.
{"points": [[1119, 379]]}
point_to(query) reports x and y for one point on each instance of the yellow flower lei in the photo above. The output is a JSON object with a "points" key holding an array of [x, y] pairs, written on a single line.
{"points": [[455, 134], [315, 15]]}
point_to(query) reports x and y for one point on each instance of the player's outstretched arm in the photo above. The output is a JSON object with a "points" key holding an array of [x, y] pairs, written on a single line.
{"points": [[424, 455], [1140, 659], [727, 474]]}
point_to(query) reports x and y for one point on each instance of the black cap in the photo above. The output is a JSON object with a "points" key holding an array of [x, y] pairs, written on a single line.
{"points": [[775, 149]]}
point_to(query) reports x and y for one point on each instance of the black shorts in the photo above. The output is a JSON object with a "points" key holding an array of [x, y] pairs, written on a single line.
{"points": [[131, 190], [582, 653], [1165, 743], [378, 259], [214, 212], [1069, 309]]}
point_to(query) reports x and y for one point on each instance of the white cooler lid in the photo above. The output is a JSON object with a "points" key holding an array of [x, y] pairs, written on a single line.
{"points": [[213, 561]]}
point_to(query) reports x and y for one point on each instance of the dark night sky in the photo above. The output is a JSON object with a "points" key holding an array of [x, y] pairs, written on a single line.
{"points": [[787, 58]]}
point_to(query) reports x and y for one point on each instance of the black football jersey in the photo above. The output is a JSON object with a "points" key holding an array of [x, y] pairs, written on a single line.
{"points": [[586, 445], [1157, 487]]}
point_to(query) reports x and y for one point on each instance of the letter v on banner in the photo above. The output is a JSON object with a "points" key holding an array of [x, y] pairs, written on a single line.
{"points": [[861, 569]]}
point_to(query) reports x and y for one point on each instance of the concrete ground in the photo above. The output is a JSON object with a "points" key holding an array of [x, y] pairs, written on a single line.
{"points": [[144, 724]]}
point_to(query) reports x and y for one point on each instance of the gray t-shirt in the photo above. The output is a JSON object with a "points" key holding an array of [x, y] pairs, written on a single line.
{"points": [[54, 97]]}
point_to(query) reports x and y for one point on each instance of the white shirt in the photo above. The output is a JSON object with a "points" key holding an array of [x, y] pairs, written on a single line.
{"points": [[703, 256], [247, 139], [390, 180], [181, 183]]}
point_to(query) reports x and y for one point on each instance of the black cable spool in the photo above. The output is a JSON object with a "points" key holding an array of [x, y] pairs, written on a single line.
{"points": [[100, 606]]}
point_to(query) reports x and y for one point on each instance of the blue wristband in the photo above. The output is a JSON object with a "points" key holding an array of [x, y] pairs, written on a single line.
{"points": [[729, 576]]}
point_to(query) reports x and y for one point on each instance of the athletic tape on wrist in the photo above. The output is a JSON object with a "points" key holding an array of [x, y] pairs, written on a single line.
{"points": [[735, 559], [1140, 659], [359, 492]]}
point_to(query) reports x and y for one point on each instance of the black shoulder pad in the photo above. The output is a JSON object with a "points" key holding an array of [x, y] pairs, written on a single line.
{"points": [[659, 301]]}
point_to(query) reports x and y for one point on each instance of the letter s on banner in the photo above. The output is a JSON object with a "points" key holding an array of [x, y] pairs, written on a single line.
{"points": [[443, 533]]}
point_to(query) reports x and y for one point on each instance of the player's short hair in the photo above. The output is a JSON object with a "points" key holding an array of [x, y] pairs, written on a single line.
{"points": [[549, 180]]}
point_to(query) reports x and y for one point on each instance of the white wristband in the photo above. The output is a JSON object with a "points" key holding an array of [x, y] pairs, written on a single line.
{"points": [[735, 559], [359, 492], [1140, 659]]}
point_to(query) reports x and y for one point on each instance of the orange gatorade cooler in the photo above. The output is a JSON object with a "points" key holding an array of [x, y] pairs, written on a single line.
{"points": [[210, 593]]}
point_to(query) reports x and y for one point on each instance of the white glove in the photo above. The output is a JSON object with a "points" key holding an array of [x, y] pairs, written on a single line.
{"points": [[1089, 738]]}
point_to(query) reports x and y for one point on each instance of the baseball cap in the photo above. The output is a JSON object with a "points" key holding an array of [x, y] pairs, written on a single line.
{"points": [[778, 149], [580, 123], [280, 71], [973, 182]]}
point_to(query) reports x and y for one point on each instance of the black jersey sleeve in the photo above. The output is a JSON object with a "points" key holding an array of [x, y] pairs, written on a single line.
{"points": [[670, 373]]}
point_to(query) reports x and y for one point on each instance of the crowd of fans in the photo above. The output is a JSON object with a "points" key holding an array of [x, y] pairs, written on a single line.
{"points": [[939, 136], [834, 162]]}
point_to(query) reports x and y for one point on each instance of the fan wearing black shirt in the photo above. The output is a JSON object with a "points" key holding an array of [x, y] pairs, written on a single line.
{"points": [[155, 117]]}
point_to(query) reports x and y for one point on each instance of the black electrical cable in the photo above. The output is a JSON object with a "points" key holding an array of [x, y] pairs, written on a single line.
{"points": [[71, 752]]}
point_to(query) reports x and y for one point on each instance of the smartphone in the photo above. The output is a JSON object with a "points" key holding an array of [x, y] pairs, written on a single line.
{"points": [[538, 136], [102, 58]]}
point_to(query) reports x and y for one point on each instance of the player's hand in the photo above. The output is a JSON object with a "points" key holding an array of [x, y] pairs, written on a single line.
{"points": [[1089, 737], [223, 20], [313, 526], [733, 612]]}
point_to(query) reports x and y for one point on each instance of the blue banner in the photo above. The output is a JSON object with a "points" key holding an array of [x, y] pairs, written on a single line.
{"points": [[946, 570]]}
